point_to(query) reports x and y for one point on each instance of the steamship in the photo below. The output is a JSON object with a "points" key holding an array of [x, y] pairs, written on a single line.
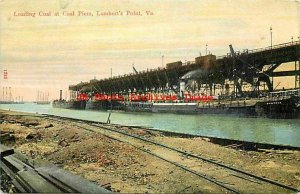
{"points": [[237, 71], [72, 104], [278, 105]]}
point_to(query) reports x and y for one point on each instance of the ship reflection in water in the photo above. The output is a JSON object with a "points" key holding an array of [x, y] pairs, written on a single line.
{"points": [[273, 131]]}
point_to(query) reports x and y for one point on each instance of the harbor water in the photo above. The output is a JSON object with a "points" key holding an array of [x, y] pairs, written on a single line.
{"points": [[262, 130]]}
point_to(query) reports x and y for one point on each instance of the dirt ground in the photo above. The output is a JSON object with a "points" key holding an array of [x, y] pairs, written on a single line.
{"points": [[126, 169]]}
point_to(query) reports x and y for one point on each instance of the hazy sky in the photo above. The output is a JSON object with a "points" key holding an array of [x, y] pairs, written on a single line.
{"points": [[49, 53]]}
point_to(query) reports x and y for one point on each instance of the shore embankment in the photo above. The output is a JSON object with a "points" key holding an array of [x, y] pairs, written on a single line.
{"points": [[125, 159]]}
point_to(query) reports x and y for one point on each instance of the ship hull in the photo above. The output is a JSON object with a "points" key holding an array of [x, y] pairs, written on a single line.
{"points": [[138, 107], [278, 109], [247, 111], [180, 108], [287, 108], [188, 108], [104, 105], [70, 104], [42, 103]]}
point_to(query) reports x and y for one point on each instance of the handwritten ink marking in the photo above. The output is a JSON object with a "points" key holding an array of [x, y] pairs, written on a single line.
{"points": [[64, 3]]}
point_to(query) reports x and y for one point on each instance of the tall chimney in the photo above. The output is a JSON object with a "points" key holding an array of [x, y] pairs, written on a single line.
{"points": [[181, 88], [60, 94]]}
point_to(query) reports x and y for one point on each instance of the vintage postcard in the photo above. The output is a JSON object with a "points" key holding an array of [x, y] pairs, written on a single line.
{"points": [[140, 96]]}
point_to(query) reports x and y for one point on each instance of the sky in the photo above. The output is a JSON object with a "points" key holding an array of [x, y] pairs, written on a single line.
{"points": [[48, 53]]}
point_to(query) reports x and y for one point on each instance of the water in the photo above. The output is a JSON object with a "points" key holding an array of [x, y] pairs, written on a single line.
{"points": [[280, 132]]}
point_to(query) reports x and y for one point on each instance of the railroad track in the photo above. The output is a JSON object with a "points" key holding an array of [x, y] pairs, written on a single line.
{"points": [[228, 178]]}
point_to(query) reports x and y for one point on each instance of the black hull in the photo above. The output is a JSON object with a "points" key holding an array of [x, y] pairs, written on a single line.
{"points": [[288, 108], [105, 105], [80, 105], [247, 111], [42, 103], [279, 109], [138, 107], [7, 102], [188, 108], [276, 109]]}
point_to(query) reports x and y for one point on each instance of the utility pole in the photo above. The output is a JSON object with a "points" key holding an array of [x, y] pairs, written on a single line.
{"points": [[162, 61], [206, 49]]}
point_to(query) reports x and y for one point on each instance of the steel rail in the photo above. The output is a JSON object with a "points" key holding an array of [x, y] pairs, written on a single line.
{"points": [[204, 176], [96, 124], [102, 125], [206, 160]]}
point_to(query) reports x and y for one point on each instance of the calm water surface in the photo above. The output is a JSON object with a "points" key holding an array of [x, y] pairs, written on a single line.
{"points": [[282, 132]]}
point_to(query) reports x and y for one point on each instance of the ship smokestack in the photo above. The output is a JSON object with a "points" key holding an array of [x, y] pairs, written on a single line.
{"points": [[60, 94], [181, 88]]}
